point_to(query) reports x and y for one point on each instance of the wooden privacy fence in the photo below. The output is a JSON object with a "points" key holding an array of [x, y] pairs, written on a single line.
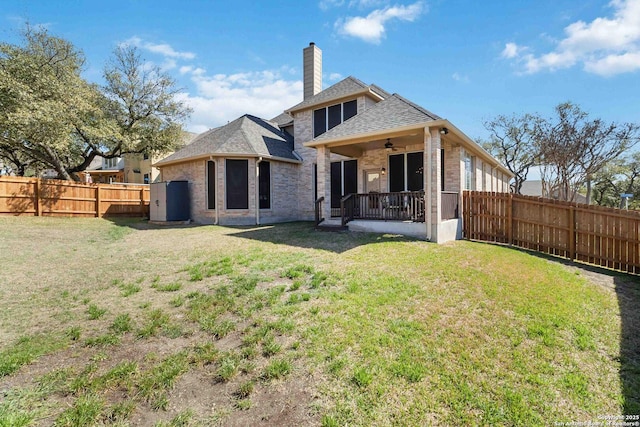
{"points": [[48, 197], [597, 235]]}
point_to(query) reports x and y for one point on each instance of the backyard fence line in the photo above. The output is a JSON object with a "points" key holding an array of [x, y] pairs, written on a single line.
{"points": [[49, 197], [597, 235]]}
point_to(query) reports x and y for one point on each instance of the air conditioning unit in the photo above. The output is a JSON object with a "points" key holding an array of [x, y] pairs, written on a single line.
{"points": [[169, 201]]}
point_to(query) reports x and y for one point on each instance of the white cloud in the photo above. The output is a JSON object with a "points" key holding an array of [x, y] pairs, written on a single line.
{"points": [[160, 48], [168, 64], [327, 4], [460, 77], [604, 46], [371, 28], [335, 76], [221, 98], [362, 4], [511, 50]]}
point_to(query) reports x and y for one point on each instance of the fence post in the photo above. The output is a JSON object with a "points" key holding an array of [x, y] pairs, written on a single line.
{"points": [[465, 224], [142, 212], [510, 220], [572, 233], [38, 202], [98, 207]]}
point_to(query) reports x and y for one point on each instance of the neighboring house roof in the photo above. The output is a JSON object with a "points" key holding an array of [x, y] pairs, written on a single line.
{"points": [[531, 188], [246, 136], [283, 120], [534, 188], [342, 89], [395, 111]]}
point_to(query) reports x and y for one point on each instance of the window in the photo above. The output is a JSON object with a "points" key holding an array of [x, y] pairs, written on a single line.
{"points": [[264, 185], [330, 117], [334, 115], [344, 180], [319, 122], [211, 184], [146, 178], [237, 177], [145, 156], [469, 173], [406, 172], [111, 163]]}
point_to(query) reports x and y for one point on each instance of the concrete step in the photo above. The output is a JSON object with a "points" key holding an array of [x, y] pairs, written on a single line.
{"points": [[331, 225]]}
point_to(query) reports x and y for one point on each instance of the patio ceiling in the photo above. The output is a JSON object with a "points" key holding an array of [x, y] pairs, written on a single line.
{"points": [[357, 148]]}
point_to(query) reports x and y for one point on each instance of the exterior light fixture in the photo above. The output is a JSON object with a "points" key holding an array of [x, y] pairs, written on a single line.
{"points": [[444, 131], [383, 171]]}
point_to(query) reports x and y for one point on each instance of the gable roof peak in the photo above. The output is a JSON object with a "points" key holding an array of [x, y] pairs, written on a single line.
{"points": [[344, 88]]}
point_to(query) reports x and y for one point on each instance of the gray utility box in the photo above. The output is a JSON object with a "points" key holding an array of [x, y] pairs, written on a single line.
{"points": [[169, 201]]}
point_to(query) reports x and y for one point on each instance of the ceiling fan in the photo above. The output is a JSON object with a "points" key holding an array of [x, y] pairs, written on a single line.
{"points": [[389, 145]]}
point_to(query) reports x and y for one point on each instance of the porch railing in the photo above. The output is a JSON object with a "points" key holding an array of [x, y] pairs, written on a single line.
{"points": [[318, 208], [348, 208], [450, 201], [401, 206]]}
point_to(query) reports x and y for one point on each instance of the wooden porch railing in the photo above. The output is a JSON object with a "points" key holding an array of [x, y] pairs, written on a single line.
{"points": [[400, 206], [318, 208], [348, 208], [450, 202]]}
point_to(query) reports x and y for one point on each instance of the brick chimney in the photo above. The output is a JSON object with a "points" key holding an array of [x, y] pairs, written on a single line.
{"points": [[312, 70]]}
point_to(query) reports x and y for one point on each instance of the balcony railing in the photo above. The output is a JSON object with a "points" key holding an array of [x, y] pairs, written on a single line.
{"points": [[401, 206]]}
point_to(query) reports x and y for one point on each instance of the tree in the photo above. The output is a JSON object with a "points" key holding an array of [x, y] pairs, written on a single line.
{"points": [[620, 176], [51, 116], [512, 142], [574, 148], [40, 90]]}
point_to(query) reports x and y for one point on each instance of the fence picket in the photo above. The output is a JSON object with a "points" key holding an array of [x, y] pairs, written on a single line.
{"points": [[32, 196], [607, 237]]}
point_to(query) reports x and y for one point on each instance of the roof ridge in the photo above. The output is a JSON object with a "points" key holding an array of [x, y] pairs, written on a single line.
{"points": [[356, 81]]}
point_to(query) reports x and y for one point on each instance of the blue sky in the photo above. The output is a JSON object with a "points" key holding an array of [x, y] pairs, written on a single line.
{"points": [[466, 61]]}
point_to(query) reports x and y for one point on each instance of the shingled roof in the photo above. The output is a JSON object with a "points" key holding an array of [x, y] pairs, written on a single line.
{"points": [[393, 112], [282, 120], [245, 136], [343, 88]]}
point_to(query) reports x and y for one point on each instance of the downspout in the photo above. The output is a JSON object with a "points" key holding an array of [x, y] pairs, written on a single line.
{"points": [[427, 193], [215, 163], [258, 190]]}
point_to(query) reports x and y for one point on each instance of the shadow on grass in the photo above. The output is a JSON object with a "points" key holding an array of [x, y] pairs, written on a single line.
{"points": [[142, 224], [299, 234], [627, 288], [304, 235]]}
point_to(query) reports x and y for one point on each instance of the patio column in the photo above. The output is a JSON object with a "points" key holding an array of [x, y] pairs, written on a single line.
{"points": [[323, 162], [432, 182]]}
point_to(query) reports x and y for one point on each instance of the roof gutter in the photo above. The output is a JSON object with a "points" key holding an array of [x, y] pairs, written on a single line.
{"points": [[162, 164], [404, 130]]}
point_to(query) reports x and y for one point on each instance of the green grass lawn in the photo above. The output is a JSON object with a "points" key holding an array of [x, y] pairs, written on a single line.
{"points": [[123, 323]]}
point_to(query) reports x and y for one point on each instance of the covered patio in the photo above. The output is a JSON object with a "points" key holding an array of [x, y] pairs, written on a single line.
{"points": [[409, 176]]}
